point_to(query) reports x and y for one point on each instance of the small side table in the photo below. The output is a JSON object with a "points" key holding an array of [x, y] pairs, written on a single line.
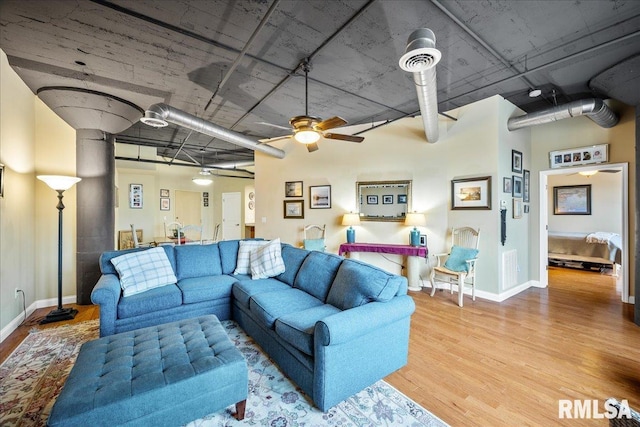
{"points": [[412, 253]]}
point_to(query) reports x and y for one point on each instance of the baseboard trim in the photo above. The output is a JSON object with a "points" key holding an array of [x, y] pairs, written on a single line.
{"points": [[490, 296], [17, 321]]}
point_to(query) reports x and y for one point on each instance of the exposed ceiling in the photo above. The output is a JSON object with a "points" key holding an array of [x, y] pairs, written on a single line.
{"points": [[142, 52]]}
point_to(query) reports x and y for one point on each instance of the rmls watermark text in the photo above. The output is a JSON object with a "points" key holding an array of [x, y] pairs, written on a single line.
{"points": [[591, 408]]}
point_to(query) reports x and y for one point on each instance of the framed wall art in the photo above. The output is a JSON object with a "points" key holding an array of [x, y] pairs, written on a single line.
{"points": [[526, 183], [572, 200], [517, 208], [135, 196], [402, 199], [164, 192], [293, 189], [506, 185], [516, 186], [579, 156], [471, 193], [387, 199], [516, 161], [165, 204], [372, 200], [125, 238], [294, 208], [320, 197]]}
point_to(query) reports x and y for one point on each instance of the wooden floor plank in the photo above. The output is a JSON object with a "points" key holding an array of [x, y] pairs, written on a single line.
{"points": [[509, 363]]}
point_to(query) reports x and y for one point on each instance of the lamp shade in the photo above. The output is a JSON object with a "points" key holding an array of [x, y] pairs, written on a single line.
{"points": [[204, 178], [415, 219], [59, 182], [351, 219], [306, 136]]}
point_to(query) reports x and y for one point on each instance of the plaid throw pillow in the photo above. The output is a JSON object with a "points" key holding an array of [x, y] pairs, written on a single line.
{"points": [[143, 270], [266, 261], [244, 251]]}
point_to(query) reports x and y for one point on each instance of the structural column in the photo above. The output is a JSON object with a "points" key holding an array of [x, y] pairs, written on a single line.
{"points": [[95, 164]]}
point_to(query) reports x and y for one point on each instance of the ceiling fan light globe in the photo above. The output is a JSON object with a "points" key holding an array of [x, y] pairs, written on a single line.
{"points": [[306, 136]]}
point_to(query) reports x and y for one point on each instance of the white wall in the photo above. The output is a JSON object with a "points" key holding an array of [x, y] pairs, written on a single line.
{"points": [[605, 200], [468, 147]]}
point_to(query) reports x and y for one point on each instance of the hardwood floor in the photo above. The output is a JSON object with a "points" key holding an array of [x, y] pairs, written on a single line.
{"points": [[509, 363]]}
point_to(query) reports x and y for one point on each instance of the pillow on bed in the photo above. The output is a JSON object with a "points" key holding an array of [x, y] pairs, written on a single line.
{"points": [[143, 270], [458, 258]]}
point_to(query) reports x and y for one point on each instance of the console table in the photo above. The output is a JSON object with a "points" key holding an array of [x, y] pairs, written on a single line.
{"points": [[412, 253]]}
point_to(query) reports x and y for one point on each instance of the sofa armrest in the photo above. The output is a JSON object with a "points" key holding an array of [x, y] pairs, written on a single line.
{"points": [[358, 321], [106, 294]]}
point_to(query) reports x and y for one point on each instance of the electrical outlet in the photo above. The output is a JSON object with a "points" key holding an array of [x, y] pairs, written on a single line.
{"points": [[16, 292]]}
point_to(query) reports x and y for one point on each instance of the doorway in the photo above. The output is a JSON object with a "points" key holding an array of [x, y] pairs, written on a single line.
{"points": [[231, 208], [622, 211]]}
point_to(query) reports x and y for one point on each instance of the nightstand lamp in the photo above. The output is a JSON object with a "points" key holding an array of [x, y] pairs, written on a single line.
{"points": [[351, 219], [416, 220]]}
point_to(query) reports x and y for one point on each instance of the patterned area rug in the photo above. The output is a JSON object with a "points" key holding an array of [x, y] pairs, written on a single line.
{"points": [[32, 377]]}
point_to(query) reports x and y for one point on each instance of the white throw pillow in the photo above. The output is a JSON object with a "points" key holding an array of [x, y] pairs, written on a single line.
{"points": [[143, 270], [266, 261], [244, 251]]}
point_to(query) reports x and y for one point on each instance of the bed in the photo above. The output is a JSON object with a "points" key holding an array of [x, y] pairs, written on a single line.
{"points": [[597, 248]]}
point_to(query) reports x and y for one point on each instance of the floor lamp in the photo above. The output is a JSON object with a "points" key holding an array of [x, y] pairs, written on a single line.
{"points": [[59, 184]]}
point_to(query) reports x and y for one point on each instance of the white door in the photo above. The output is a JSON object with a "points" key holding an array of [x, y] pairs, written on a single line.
{"points": [[231, 216]]}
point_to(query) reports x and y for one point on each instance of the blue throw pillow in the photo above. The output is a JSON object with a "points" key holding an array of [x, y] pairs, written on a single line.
{"points": [[458, 257]]}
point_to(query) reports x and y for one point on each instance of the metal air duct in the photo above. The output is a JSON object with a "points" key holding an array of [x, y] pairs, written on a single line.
{"points": [[595, 109], [420, 58], [159, 115]]}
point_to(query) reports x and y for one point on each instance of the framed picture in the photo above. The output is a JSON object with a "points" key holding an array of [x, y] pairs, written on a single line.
{"points": [[372, 200], [579, 156], [1, 181], [572, 200], [320, 197], [526, 178], [164, 192], [517, 208], [423, 240], [471, 193], [294, 208], [165, 204], [402, 199], [125, 238], [135, 196], [387, 199], [517, 186], [506, 185], [516, 161], [293, 189], [526, 209]]}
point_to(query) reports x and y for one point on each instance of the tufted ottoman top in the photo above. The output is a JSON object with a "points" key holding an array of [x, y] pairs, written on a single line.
{"points": [[150, 368]]}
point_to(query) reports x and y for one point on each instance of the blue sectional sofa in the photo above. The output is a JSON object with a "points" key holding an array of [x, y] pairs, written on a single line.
{"points": [[333, 325]]}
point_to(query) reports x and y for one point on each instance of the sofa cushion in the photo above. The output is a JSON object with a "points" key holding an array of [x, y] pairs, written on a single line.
{"points": [[228, 255], [358, 283], [243, 262], [457, 260], [197, 261], [143, 270], [206, 288], [293, 259], [297, 328], [268, 306], [266, 261], [105, 258], [154, 300], [243, 290], [317, 273]]}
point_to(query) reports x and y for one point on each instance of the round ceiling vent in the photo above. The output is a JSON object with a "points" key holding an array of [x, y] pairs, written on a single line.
{"points": [[420, 59]]}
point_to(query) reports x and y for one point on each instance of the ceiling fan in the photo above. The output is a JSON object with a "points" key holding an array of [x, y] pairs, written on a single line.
{"points": [[309, 129]]}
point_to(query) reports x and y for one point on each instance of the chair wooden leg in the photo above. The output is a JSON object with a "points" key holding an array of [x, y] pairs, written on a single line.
{"points": [[240, 409], [433, 284]]}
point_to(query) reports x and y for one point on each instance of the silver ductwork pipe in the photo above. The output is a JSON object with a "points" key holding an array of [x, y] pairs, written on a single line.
{"points": [[420, 58], [595, 109], [159, 115]]}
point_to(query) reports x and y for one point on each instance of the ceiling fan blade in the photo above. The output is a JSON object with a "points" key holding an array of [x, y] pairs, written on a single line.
{"points": [[343, 137], [331, 123], [277, 138], [312, 147]]}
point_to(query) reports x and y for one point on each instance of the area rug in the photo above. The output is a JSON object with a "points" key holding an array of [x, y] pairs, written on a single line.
{"points": [[32, 377]]}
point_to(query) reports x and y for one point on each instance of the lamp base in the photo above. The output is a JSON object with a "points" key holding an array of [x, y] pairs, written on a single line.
{"points": [[59, 314], [351, 235], [414, 237]]}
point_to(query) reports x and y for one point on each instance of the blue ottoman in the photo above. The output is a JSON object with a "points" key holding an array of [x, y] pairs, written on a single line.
{"points": [[165, 375]]}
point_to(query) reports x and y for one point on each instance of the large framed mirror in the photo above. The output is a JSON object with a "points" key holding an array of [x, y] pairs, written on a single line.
{"points": [[383, 200]]}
